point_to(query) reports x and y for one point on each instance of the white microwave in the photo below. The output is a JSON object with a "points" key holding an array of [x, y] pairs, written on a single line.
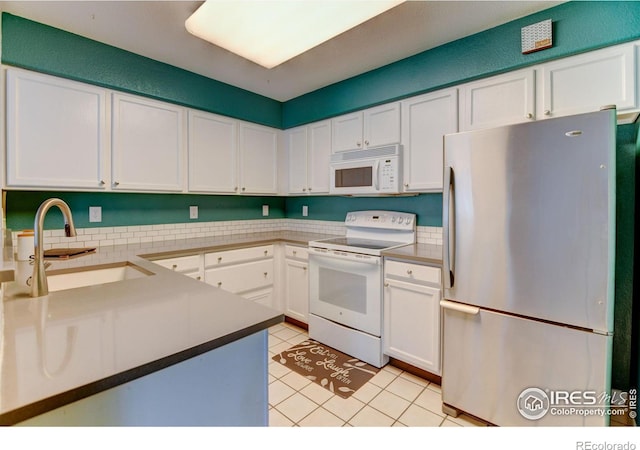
{"points": [[366, 171]]}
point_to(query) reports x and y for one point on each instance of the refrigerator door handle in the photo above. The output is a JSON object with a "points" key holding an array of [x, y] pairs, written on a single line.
{"points": [[449, 224], [473, 310]]}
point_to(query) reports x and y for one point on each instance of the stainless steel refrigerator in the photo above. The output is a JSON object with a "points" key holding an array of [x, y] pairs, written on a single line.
{"points": [[529, 239]]}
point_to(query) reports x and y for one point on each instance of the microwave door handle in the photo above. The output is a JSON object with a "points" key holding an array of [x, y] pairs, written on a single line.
{"points": [[376, 181]]}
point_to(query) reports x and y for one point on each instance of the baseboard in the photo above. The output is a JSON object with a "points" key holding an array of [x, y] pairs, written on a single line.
{"points": [[296, 322], [433, 378]]}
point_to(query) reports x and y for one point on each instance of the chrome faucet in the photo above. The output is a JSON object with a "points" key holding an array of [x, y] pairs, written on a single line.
{"points": [[39, 286]]}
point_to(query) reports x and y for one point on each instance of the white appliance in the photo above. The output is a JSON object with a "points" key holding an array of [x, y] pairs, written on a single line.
{"points": [[528, 264], [366, 171], [345, 282]]}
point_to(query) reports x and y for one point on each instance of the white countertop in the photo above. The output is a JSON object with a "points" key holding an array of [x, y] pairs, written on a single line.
{"points": [[73, 343]]}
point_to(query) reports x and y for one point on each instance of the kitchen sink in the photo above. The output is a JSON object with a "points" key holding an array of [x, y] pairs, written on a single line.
{"points": [[92, 275]]}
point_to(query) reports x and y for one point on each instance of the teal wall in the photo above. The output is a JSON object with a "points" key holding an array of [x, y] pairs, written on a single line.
{"points": [[427, 207], [39, 47], [627, 153], [119, 209], [577, 27]]}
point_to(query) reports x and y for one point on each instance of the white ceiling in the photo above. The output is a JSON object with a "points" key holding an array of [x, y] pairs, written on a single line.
{"points": [[156, 30]]}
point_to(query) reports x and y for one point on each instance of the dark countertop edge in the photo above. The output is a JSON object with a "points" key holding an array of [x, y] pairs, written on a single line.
{"points": [[50, 403]]}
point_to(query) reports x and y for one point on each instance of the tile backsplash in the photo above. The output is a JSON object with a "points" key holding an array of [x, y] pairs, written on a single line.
{"points": [[124, 235]]}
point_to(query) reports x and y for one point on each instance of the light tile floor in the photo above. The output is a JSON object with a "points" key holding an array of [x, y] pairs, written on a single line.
{"points": [[392, 398]]}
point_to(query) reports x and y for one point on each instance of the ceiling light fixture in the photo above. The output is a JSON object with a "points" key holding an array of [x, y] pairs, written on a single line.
{"points": [[270, 32]]}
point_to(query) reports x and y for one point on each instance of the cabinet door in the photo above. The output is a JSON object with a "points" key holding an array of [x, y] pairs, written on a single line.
{"points": [[318, 157], [425, 121], [56, 132], [382, 125], [346, 132], [500, 100], [213, 148], [148, 144], [297, 290], [258, 159], [412, 324], [587, 82], [297, 151]]}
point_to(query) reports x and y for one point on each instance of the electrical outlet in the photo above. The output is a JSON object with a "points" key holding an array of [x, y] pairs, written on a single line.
{"points": [[265, 210], [95, 213], [305, 211], [193, 212]]}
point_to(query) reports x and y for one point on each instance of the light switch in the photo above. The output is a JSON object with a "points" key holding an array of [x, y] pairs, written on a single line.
{"points": [[265, 210], [193, 212], [305, 211], [95, 213]]}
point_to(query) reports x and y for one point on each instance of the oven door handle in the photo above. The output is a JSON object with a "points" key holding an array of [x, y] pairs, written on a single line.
{"points": [[347, 257]]}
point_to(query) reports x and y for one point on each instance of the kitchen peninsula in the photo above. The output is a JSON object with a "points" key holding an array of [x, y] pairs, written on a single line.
{"points": [[161, 349]]}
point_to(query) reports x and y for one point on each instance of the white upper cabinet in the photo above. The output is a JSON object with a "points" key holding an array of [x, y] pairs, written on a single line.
{"points": [[213, 150], [148, 144], [425, 121], [584, 83], [56, 132], [309, 153], [258, 159], [501, 100], [297, 155], [372, 127]]}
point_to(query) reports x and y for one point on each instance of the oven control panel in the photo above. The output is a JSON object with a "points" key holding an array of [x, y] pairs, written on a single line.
{"points": [[391, 220]]}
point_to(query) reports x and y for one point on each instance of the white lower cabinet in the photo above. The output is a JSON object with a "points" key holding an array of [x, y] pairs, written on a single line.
{"points": [[411, 331], [296, 286], [248, 272], [190, 265]]}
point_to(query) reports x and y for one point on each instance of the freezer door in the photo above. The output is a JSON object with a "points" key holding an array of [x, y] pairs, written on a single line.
{"points": [[529, 217], [490, 359]]}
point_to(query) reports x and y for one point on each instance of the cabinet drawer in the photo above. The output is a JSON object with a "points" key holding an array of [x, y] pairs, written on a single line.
{"points": [[412, 272], [181, 264], [233, 256], [241, 277], [293, 251]]}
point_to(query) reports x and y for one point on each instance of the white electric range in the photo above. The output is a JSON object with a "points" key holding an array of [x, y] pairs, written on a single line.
{"points": [[345, 282]]}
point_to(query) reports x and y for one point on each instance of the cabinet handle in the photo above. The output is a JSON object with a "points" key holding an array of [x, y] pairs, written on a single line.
{"points": [[219, 283], [366, 142], [266, 252], [409, 271], [243, 189], [174, 266], [529, 116], [102, 183], [386, 285], [198, 278], [295, 252], [265, 274], [304, 268], [304, 189], [359, 144], [309, 189], [219, 259], [547, 112], [406, 185], [116, 183], [235, 188]]}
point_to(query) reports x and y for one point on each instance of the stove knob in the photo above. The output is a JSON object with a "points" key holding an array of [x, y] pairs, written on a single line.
{"points": [[400, 220], [408, 221], [393, 219]]}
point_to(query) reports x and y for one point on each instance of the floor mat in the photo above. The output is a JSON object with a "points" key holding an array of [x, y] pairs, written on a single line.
{"points": [[333, 370]]}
